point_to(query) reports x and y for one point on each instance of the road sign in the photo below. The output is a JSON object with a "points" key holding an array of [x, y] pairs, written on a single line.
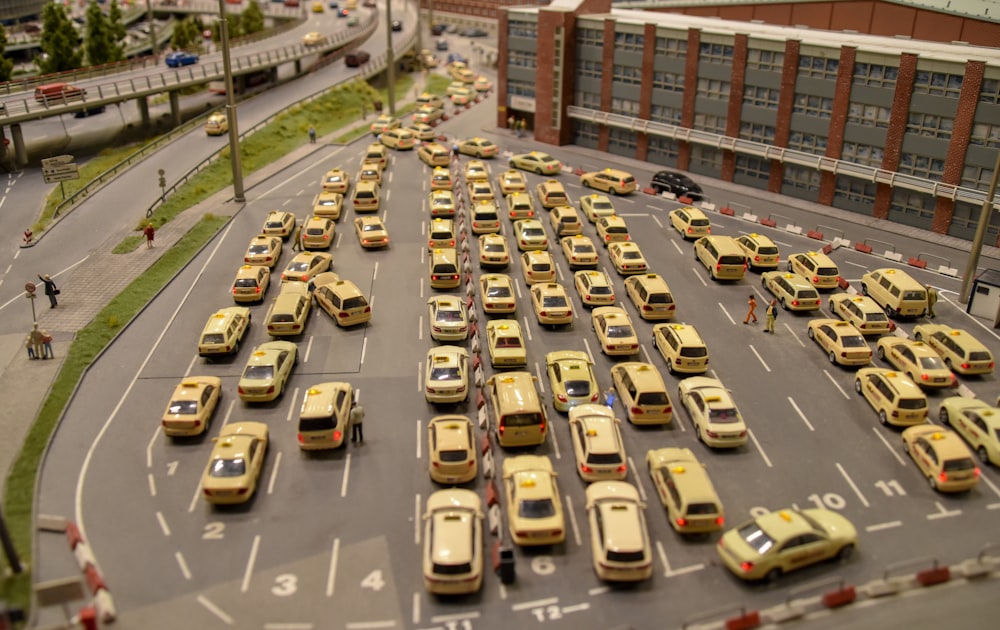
{"points": [[60, 173], [29, 287], [57, 160]]}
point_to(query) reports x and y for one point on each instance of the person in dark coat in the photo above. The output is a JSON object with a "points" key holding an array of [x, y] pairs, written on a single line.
{"points": [[50, 290]]}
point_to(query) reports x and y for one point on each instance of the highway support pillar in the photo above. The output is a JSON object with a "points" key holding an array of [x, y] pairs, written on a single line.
{"points": [[143, 111], [20, 151], [175, 108]]}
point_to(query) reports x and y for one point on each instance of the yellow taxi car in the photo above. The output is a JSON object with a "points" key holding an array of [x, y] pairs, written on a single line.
{"points": [[917, 360], [476, 171], [537, 266], [485, 217], [398, 139], [686, 491], [447, 318], [690, 222], [786, 540], [441, 179], [328, 205], [862, 311], [612, 229], [478, 147], [376, 153], [565, 221], [597, 443], [263, 250], [216, 124], [520, 206], [977, 422], [651, 296], [336, 180], [536, 162], [427, 115], [224, 332], [942, 457], [614, 331], [446, 375], [371, 232], [251, 283], [482, 84], [511, 182], [422, 131], [305, 266], [681, 347], [609, 180], [370, 172], [579, 251], [961, 352], [313, 38], [619, 540], [816, 267], [383, 123], [496, 291], [627, 258], [191, 406], [596, 206], [530, 235], [443, 269], [267, 371], [594, 288], [342, 300], [551, 304], [441, 234], [318, 233], [843, 343], [760, 250], [324, 416], [534, 507], [462, 96], [453, 542], [279, 223], [571, 376], [897, 400], [505, 343], [551, 193], [289, 312], [459, 71], [235, 464], [717, 422], [794, 293], [480, 191], [317, 7], [642, 392], [451, 450], [441, 203]]}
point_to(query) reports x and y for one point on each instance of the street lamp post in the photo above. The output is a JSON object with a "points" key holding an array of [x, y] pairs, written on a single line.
{"points": [[152, 31], [390, 59], [234, 135], [977, 242]]}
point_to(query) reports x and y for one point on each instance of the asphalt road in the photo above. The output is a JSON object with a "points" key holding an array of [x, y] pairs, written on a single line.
{"points": [[338, 536]]}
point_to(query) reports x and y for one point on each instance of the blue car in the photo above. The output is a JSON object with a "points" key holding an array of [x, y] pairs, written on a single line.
{"points": [[182, 58], [452, 57]]}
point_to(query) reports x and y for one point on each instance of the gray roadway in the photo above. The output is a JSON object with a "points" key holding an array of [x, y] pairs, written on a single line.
{"points": [[332, 540]]}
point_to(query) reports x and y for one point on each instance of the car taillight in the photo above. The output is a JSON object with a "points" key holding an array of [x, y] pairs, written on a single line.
{"points": [[561, 398], [623, 468], [337, 435], [594, 397], [302, 440], [681, 521], [240, 390], [607, 237], [636, 411], [746, 566], [689, 230], [711, 434], [756, 258], [815, 279], [943, 477], [795, 302], [270, 390], [342, 314], [585, 468], [531, 213]]}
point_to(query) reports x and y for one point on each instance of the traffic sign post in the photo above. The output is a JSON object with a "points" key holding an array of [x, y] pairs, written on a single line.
{"points": [[58, 160], [29, 292], [60, 169]]}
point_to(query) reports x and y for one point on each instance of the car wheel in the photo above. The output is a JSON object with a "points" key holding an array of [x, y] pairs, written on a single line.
{"points": [[833, 357], [883, 419], [983, 455], [538, 171], [763, 282], [889, 312], [790, 266], [236, 347], [783, 305], [943, 416], [773, 575], [906, 447], [810, 334], [857, 385], [918, 337], [864, 288], [586, 183], [845, 552], [932, 481], [947, 364], [881, 353], [670, 366], [697, 433]]}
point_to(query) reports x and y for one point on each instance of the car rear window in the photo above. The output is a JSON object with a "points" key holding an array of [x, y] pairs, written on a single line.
{"points": [[652, 398], [702, 508], [213, 338], [912, 403], [699, 222], [325, 423], [952, 465], [731, 260], [767, 250], [246, 283], [454, 456], [659, 298], [355, 302], [693, 352]]}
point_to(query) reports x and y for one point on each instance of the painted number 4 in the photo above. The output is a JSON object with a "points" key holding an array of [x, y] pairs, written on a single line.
{"points": [[373, 581]]}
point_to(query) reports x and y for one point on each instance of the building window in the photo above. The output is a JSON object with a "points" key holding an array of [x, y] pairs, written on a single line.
{"points": [[588, 69], [669, 81], [521, 59], [802, 177], [587, 134], [761, 96], [976, 176], [929, 125], [757, 132], [818, 67], [590, 100], [866, 115], [861, 154], [966, 216], [627, 74], [765, 59], [875, 75], [632, 42], [668, 115], [990, 92], [913, 203], [621, 141], [667, 47], [807, 142], [713, 88], [520, 28], [705, 158], [714, 124], [520, 88], [752, 166], [590, 37], [811, 105], [715, 53], [985, 135], [625, 107], [855, 190], [937, 83], [662, 150], [920, 166]]}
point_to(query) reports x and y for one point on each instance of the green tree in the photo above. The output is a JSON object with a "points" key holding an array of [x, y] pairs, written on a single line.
{"points": [[187, 34], [235, 27], [252, 19], [60, 42], [6, 65], [99, 46], [117, 25]]}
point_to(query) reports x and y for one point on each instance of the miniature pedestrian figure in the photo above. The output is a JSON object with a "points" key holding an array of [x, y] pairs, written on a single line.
{"points": [[46, 340], [50, 290], [751, 310], [149, 233], [932, 298], [297, 238], [37, 346], [523, 125], [312, 135], [512, 123], [454, 149], [610, 396], [518, 126], [30, 345], [357, 419], [772, 314]]}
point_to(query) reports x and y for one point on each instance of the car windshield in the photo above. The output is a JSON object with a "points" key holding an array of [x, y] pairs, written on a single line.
{"points": [[259, 249], [508, 342], [444, 374], [259, 372], [577, 388], [853, 341], [722, 416], [183, 407], [554, 301], [619, 332], [444, 315], [536, 508], [221, 467], [498, 292], [756, 538]]}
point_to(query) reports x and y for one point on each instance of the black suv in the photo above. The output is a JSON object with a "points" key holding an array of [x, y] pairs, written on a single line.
{"points": [[678, 184]]}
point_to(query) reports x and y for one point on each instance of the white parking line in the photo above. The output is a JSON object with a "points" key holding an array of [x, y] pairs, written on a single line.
{"points": [[541, 381], [638, 483], [725, 312], [190, 366], [291, 408], [759, 358], [370, 625], [416, 608], [152, 484], [942, 512], [159, 428], [182, 563], [537, 603], [880, 526], [331, 576], [364, 348], [794, 335], [248, 572], [598, 590], [989, 483], [163, 523], [215, 610], [420, 440], [474, 614], [572, 520], [676, 246], [587, 346], [757, 444], [645, 353], [576, 608], [527, 328], [309, 347], [517, 287], [555, 442], [854, 486], [902, 462], [657, 219], [274, 473], [801, 415], [416, 519], [347, 474], [836, 384], [420, 328], [694, 270]]}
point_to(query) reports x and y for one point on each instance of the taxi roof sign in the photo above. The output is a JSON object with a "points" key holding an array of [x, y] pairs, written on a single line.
{"points": [[527, 483], [785, 515], [678, 470], [189, 384], [312, 391], [937, 435]]}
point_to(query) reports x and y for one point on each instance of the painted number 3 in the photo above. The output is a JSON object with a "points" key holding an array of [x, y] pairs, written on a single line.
{"points": [[284, 585]]}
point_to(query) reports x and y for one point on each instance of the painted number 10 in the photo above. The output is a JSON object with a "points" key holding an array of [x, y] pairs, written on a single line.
{"points": [[830, 500]]}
